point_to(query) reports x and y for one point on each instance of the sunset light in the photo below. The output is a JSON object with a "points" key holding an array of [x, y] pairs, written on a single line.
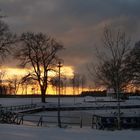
{"points": [[11, 73], [69, 69]]}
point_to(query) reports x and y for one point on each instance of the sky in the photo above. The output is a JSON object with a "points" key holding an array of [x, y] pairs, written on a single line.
{"points": [[78, 24]]}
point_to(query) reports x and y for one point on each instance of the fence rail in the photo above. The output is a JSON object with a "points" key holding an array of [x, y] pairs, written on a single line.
{"points": [[46, 120], [18, 107], [128, 122]]}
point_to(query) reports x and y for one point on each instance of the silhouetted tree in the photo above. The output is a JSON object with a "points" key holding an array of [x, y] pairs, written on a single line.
{"points": [[54, 81], [78, 82], [2, 74], [14, 83], [134, 63], [38, 51], [83, 82], [112, 70], [6, 39], [26, 82], [73, 82]]}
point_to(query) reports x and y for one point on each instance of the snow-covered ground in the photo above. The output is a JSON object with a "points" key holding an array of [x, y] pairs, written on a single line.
{"points": [[14, 132], [69, 101], [77, 102], [52, 132]]}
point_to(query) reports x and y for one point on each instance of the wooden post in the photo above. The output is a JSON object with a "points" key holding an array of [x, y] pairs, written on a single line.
{"points": [[21, 120], [40, 121], [92, 125], [81, 122]]}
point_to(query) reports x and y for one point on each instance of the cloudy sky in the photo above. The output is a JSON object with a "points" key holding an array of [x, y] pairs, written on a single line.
{"points": [[78, 24]]}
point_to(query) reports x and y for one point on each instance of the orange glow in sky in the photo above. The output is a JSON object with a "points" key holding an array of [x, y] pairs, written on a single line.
{"points": [[11, 72], [19, 73]]}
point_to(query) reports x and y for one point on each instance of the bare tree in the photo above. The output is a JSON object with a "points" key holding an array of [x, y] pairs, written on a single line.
{"points": [[83, 82], [65, 85], [78, 82], [134, 63], [14, 83], [112, 70], [6, 39], [54, 81], [26, 82], [39, 52], [73, 82], [2, 74]]}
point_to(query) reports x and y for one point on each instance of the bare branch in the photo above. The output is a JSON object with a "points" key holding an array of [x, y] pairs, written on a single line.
{"points": [[39, 52]]}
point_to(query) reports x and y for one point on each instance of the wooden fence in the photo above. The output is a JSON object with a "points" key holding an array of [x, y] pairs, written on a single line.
{"points": [[46, 120], [108, 122], [17, 107]]}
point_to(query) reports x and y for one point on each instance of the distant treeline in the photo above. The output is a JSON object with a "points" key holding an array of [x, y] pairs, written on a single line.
{"points": [[84, 93], [34, 96], [94, 93], [104, 93]]}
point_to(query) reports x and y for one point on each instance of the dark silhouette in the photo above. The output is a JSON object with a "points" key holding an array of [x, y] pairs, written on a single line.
{"points": [[112, 70], [6, 39], [134, 63], [38, 51]]}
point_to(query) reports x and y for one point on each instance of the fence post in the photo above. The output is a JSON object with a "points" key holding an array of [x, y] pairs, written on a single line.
{"points": [[21, 119], [40, 121], [81, 122], [92, 125], [17, 119]]}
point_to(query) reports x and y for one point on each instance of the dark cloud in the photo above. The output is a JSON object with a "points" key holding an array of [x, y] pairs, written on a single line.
{"points": [[77, 23]]}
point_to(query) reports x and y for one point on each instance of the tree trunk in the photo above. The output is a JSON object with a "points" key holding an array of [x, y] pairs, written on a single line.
{"points": [[43, 95], [119, 110]]}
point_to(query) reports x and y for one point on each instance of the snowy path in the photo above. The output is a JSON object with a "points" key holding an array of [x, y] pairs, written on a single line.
{"points": [[13, 132]]}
